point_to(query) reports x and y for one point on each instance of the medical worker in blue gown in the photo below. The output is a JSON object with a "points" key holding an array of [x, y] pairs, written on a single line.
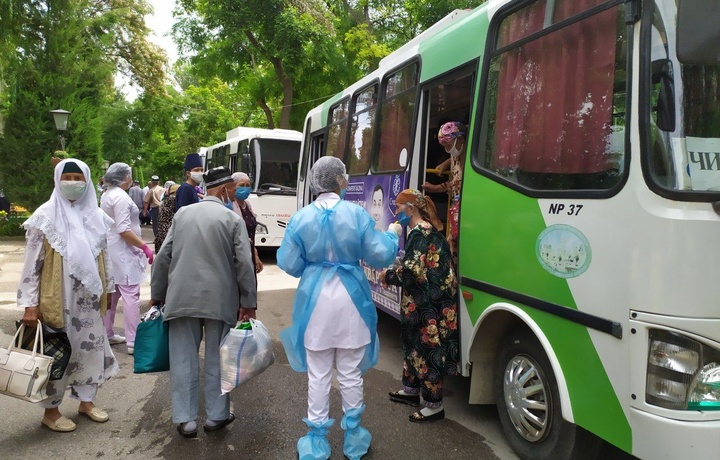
{"points": [[334, 318]]}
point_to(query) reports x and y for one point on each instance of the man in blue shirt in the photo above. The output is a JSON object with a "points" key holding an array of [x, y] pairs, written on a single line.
{"points": [[187, 194]]}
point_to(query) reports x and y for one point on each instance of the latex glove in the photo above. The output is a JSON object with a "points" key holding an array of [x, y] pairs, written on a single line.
{"points": [[395, 227], [148, 253]]}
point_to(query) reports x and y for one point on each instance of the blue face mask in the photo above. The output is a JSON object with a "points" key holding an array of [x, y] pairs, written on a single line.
{"points": [[403, 219], [342, 193], [242, 193]]}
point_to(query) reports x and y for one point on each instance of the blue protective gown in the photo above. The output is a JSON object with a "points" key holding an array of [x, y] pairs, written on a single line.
{"points": [[347, 231]]}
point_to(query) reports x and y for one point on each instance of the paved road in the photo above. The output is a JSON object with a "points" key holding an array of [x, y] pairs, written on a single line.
{"points": [[269, 408]]}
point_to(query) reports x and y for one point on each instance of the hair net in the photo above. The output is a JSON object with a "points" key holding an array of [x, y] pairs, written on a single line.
{"points": [[238, 176], [168, 184], [326, 175], [117, 173]]}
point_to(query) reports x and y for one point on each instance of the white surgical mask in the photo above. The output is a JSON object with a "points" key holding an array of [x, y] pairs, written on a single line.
{"points": [[454, 152], [72, 189], [197, 177]]}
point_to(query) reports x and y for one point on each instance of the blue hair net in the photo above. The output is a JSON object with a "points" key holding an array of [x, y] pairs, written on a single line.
{"points": [[117, 173]]}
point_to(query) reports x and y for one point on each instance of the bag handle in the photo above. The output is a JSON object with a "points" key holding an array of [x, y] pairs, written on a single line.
{"points": [[38, 339]]}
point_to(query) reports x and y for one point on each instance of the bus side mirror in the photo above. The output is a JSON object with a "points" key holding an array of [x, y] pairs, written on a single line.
{"points": [[698, 32], [662, 74]]}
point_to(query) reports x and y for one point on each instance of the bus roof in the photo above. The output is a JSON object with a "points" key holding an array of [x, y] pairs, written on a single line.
{"points": [[245, 132]]}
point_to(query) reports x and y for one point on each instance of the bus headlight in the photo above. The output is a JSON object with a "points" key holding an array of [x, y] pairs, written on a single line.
{"points": [[261, 229], [682, 373]]}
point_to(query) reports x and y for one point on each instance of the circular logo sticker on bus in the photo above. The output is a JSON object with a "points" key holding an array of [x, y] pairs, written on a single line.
{"points": [[563, 251]]}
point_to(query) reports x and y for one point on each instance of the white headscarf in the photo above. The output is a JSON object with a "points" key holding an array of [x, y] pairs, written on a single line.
{"points": [[77, 231]]}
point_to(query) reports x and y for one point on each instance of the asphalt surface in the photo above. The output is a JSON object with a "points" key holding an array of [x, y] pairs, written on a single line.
{"points": [[269, 408]]}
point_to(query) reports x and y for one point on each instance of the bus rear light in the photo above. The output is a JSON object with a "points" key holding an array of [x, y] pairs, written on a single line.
{"points": [[682, 373]]}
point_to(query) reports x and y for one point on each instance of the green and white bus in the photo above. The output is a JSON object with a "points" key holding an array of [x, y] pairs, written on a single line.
{"points": [[589, 247]]}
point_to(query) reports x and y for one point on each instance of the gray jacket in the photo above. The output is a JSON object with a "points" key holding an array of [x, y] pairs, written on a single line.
{"points": [[204, 269], [137, 195]]}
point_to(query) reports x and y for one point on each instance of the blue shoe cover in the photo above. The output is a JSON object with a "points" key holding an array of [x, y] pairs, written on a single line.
{"points": [[314, 446], [357, 438]]}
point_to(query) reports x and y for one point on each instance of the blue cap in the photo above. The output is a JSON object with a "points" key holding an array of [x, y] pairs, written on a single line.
{"points": [[192, 161]]}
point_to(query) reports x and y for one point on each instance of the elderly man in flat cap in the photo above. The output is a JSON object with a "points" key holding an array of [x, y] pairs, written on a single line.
{"points": [[205, 276]]}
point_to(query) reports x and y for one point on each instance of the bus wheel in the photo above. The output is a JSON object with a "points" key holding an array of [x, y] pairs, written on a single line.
{"points": [[528, 401]]}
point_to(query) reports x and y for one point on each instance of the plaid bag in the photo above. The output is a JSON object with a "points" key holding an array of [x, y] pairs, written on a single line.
{"points": [[57, 346]]}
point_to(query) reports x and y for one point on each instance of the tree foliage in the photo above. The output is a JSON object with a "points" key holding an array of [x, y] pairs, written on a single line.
{"points": [[244, 63], [66, 54]]}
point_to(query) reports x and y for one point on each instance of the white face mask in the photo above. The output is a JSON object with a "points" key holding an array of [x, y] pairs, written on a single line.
{"points": [[72, 189], [454, 152], [197, 177]]}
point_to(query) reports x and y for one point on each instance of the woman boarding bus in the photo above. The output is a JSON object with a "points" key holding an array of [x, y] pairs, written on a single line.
{"points": [[588, 245]]}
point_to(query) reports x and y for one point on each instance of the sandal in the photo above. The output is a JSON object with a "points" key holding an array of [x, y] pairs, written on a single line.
{"points": [[186, 433], [219, 425], [396, 396], [418, 417]]}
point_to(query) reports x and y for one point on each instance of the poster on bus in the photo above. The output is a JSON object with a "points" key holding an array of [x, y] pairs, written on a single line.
{"points": [[377, 195]]}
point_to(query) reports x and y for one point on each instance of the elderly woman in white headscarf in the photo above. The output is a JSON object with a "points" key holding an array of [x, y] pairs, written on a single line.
{"points": [[66, 283], [241, 206], [127, 251]]}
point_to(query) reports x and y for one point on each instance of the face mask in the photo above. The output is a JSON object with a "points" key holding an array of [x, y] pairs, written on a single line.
{"points": [[403, 219], [242, 193], [342, 193], [197, 177], [454, 152], [71, 189]]}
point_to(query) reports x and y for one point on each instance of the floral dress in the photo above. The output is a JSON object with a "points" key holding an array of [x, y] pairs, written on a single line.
{"points": [[428, 319], [92, 361]]}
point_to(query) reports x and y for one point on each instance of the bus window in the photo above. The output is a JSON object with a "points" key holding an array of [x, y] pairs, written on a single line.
{"points": [[396, 116], [552, 119], [361, 131], [278, 162], [337, 131]]}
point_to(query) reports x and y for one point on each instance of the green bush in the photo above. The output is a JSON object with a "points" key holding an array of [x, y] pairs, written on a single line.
{"points": [[12, 226]]}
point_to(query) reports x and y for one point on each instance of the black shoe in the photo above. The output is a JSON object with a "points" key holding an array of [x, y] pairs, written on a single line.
{"points": [[220, 425], [397, 397], [418, 417], [186, 434]]}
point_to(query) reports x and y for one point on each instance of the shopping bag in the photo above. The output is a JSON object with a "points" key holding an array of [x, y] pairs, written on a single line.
{"points": [[244, 354], [56, 345], [152, 353], [24, 374]]}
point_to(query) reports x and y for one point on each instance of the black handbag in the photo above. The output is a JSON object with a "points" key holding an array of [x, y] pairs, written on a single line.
{"points": [[57, 346]]}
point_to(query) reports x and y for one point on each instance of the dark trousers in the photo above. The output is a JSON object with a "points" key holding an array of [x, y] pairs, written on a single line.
{"points": [[153, 212]]}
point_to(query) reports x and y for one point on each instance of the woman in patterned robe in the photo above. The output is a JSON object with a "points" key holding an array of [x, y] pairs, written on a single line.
{"points": [[428, 319], [65, 283]]}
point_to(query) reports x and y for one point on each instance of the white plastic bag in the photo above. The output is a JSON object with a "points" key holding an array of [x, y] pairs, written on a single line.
{"points": [[244, 354]]}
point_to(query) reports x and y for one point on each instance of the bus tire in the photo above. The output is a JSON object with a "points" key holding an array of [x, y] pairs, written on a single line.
{"points": [[532, 421]]}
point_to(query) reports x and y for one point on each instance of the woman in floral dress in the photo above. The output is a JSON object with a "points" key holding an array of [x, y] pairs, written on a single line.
{"points": [[65, 282], [428, 319]]}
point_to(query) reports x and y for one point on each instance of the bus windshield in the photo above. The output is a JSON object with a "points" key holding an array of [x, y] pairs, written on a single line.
{"points": [[278, 169], [684, 102]]}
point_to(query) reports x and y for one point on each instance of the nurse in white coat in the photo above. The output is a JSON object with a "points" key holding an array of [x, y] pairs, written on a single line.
{"points": [[334, 318], [128, 252]]}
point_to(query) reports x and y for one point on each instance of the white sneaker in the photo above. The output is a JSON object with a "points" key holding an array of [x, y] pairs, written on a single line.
{"points": [[116, 339], [131, 348]]}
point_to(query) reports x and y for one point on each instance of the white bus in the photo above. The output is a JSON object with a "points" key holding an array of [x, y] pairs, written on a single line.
{"points": [[270, 158], [589, 242]]}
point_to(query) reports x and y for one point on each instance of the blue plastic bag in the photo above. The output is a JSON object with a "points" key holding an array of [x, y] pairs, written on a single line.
{"points": [[152, 353]]}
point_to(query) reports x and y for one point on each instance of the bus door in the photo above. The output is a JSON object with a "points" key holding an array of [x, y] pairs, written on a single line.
{"points": [[448, 98], [312, 150]]}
